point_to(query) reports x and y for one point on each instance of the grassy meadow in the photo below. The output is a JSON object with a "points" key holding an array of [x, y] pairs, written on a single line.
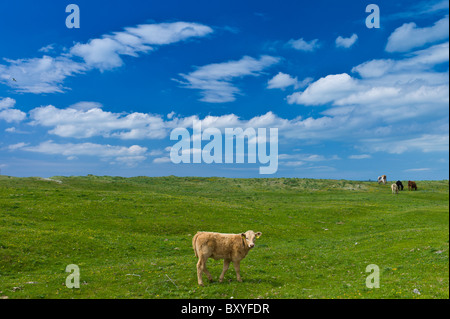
{"points": [[132, 237]]}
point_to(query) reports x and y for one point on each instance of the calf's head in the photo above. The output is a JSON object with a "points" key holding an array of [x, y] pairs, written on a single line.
{"points": [[249, 238]]}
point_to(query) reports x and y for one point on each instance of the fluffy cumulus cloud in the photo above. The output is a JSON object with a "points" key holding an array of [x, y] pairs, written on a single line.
{"points": [[303, 45], [325, 90], [346, 42], [85, 123], [283, 81], [95, 122], [46, 74], [7, 103], [116, 154], [409, 36], [7, 111], [215, 80]]}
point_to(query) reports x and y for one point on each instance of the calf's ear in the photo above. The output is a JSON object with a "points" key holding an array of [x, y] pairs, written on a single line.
{"points": [[243, 235], [258, 234]]}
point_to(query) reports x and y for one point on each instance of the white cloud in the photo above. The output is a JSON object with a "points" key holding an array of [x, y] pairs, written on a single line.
{"points": [[17, 146], [293, 163], [325, 90], [417, 169], [374, 68], [215, 80], [302, 45], [47, 48], [167, 33], [105, 53], [282, 81], [7, 103], [424, 143], [413, 65], [8, 113], [39, 75], [303, 157], [360, 156], [346, 42], [122, 154], [86, 105], [170, 115], [409, 36], [421, 9], [393, 99], [161, 160], [81, 123], [11, 115]]}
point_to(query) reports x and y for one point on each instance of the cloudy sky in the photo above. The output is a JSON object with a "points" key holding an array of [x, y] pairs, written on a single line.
{"points": [[348, 101]]}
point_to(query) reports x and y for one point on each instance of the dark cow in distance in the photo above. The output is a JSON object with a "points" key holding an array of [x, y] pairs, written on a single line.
{"points": [[412, 185], [399, 185]]}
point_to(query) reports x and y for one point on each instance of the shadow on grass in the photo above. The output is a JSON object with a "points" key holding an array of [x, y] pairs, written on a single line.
{"points": [[253, 281]]}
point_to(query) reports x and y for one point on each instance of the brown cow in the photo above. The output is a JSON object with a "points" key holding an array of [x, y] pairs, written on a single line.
{"points": [[229, 247], [412, 185]]}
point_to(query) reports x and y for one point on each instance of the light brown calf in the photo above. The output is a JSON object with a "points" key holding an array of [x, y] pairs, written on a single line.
{"points": [[394, 188], [229, 247]]}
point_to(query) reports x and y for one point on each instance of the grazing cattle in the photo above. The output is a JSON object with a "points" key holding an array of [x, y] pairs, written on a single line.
{"points": [[399, 185], [412, 185], [394, 188], [229, 247], [382, 179]]}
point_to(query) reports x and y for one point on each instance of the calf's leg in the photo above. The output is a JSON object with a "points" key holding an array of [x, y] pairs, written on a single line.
{"points": [[226, 264], [200, 265], [237, 268], [205, 270]]}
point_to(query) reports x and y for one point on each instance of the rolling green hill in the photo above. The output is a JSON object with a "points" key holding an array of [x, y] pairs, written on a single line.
{"points": [[131, 237]]}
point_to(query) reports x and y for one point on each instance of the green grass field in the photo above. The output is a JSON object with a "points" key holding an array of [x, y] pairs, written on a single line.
{"points": [[132, 237]]}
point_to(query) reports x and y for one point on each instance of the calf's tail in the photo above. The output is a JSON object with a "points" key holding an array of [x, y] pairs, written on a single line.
{"points": [[194, 242]]}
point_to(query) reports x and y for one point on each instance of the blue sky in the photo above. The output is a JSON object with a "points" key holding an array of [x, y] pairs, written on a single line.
{"points": [[348, 101]]}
